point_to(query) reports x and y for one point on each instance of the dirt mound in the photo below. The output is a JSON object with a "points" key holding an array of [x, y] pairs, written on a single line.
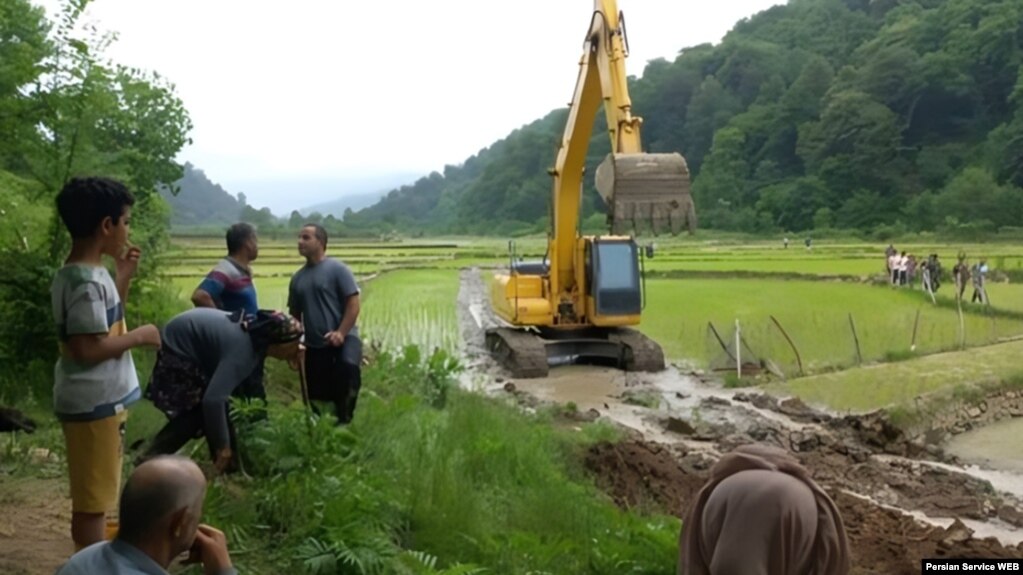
{"points": [[647, 475], [886, 541]]}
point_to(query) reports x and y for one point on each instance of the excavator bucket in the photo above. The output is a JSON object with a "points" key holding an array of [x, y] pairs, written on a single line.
{"points": [[646, 190]]}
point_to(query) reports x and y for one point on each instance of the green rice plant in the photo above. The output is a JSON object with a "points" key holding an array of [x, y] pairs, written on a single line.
{"points": [[412, 307], [814, 314], [884, 385]]}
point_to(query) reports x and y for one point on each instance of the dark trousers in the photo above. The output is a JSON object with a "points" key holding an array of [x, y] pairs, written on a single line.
{"points": [[182, 429], [330, 378]]}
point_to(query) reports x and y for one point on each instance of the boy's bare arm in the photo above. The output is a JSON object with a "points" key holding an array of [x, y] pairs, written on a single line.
{"points": [[126, 267], [93, 348]]}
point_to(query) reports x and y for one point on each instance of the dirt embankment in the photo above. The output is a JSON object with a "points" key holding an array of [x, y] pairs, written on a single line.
{"points": [[641, 474]]}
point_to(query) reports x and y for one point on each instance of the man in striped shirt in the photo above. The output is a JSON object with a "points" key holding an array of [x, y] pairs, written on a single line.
{"points": [[228, 286]]}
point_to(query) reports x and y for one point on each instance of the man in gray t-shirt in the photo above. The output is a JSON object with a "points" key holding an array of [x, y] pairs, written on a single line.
{"points": [[325, 297]]}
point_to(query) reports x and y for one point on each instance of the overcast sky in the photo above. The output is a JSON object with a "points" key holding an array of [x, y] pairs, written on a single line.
{"points": [[288, 95]]}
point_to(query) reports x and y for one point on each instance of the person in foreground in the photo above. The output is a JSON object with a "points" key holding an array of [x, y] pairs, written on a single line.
{"points": [[760, 513], [160, 510]]}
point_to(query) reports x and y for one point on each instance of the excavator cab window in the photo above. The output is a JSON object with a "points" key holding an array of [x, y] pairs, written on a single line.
{"points": [[616, 283]]}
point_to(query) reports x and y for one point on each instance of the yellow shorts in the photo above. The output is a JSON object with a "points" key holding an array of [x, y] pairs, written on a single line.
{"points": [[95, 451]]}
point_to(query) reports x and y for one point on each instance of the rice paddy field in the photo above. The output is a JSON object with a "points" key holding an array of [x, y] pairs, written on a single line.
{"points": [[830, 301]]}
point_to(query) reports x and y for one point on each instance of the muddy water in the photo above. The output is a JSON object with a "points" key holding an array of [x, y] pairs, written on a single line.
{"points": [[595, 388], [998, 446]]}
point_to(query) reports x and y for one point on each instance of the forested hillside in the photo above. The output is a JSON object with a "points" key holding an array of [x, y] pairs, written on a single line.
{"points": [[199, 201], [853, 114]]}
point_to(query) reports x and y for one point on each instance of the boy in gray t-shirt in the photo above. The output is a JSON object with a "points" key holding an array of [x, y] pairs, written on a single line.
{"points": [[324, 295], [94, 378]]}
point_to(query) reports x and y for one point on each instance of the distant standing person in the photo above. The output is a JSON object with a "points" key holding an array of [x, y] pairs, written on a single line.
{"points": [[786, 242], [325, 297], [961, 273], [934, 268], [229, 287], [893, 268], [979, 282]]}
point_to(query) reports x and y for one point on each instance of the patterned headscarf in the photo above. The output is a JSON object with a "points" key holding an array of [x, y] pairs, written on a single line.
{"points": [[270, 327]]}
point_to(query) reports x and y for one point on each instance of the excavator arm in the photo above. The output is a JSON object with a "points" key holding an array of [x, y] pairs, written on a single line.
{"points": [[640, 189], [580, 303]]}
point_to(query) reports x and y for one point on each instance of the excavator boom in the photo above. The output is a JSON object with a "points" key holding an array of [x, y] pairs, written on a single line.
{"points": [[581, 301]]}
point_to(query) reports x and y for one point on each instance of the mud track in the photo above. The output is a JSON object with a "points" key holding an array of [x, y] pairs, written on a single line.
{"points": [[900, 501]]}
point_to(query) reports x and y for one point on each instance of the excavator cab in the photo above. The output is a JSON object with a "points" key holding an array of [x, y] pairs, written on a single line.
{"points": [[613, 277]]}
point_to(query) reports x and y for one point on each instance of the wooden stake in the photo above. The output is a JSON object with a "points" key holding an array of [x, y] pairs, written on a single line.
{"points": [[738, 351], [856, 339], [916, 323], [799, 360]]}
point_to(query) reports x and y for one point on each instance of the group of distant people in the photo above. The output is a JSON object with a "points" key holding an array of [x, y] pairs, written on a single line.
{"points": [[902, 267], [976, 274], [205, 355]]}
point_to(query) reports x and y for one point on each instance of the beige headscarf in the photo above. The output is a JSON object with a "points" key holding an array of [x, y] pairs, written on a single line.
{"points": [[760, 513]]}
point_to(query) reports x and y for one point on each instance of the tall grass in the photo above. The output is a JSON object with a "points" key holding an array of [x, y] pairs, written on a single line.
{"points": [[419, 484]]}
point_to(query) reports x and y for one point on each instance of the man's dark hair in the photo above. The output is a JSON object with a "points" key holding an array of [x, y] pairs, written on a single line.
{"points": [[237, 235], [321, 233], [83, 203]]}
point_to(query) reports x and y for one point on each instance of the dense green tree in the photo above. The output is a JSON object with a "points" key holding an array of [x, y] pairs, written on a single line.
{"points": [[67, 110]]}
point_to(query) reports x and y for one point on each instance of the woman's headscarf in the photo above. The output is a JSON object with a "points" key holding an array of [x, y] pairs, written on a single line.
{"points": [[760, 513], [269, 327]]}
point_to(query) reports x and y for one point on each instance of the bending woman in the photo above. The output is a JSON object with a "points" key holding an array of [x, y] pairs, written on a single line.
{"points": [[206, 354]]}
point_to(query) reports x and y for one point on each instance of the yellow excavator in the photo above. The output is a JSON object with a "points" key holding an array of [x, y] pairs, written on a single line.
{"points": [[576, 304]]}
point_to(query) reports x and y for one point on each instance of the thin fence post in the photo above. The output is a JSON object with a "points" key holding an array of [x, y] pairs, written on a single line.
{"points": [[916, 323], [962, 324], [738, 350], [856, 339], [799, 360]]}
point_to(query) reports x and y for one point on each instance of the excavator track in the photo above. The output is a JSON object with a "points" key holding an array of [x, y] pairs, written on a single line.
{"points": [[527, 354], [643, 353], [520, 352]]}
